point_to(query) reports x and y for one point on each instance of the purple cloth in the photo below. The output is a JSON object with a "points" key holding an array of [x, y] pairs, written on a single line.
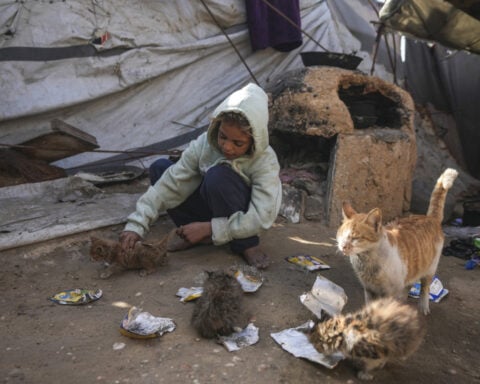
{"points": [[269, 29]]}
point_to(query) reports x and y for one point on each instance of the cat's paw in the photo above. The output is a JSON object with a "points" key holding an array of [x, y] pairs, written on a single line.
{"points": [[145, 272], [362, 375], [423, 306]]}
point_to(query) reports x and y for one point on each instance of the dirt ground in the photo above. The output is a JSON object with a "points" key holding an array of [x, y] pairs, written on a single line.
{"points": [[43, 342]]}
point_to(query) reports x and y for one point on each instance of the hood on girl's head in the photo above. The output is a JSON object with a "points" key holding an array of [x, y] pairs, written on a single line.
{"points": [[252, 102]]}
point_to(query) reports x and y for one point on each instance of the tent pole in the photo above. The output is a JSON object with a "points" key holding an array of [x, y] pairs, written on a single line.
{"points": [[380, 29]]}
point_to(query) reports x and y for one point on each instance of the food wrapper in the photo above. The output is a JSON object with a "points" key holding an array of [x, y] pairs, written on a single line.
{"points": [[241, 339], [437, 291], [77, 296], [296, 342], [143, 325], [324, 296], [189, 294], [249, 278], [311, 263]]}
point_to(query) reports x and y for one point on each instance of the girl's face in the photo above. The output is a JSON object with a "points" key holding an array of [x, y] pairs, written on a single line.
{"points": [[232, 141]]}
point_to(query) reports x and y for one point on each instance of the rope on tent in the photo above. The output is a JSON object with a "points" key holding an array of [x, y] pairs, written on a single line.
{"points": [[57, 149], [122, 156], [231, 42]]}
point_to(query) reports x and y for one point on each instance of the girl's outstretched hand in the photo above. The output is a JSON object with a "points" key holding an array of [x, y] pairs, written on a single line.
{"points": [[196, 232], [128, 239]]}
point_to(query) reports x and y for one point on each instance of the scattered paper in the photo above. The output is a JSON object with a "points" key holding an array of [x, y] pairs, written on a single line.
{"points": [[118, 346], [296, 342], [249, 282], [189, 294], [437, 291], [239, 340], [77, 296], [311, 263], [144, 325], [325, 295]]}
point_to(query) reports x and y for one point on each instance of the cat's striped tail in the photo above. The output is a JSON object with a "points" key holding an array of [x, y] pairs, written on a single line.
{"points": [[439, 193]]}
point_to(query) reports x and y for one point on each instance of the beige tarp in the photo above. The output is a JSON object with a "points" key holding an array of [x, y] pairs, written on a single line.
{"points": [[434, 20]]}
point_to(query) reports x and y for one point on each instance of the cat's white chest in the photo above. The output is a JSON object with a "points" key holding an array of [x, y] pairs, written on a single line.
{"points": [[393, 265], [381, 267]]}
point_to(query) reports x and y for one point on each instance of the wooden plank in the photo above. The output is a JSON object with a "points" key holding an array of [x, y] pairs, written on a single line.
{"points": [[63, 140], [27, 221]]}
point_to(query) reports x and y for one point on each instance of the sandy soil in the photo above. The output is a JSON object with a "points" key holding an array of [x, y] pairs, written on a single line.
{"points": [[43, 342]]}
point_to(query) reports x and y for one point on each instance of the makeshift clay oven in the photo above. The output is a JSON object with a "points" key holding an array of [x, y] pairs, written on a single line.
{"points": [[352, 134]]}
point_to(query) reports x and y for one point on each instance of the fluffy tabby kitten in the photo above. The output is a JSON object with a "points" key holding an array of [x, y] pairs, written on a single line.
{"points": [[383, 331], [143, 256], [389, 259], [219, 310]]}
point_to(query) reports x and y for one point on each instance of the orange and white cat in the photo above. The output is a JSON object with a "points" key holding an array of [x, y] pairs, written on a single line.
{"points": [[389, 258]]}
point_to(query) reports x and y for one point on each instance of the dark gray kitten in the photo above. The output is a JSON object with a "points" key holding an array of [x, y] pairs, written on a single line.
{"points": [[219, 310]]}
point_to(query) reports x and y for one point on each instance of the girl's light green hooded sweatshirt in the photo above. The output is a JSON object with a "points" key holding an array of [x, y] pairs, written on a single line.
{"points": [[259, 169]]}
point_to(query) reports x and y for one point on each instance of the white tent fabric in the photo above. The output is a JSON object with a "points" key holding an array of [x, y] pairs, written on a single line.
{"points": [[173, 65], [165, 62]]}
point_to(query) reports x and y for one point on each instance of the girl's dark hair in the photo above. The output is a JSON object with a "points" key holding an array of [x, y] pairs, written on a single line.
{"points": [[236, 118]]}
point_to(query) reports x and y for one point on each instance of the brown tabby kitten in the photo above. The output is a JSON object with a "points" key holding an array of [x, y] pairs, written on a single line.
{"points": [[389, 259], [384, 330], [219, 310], [143, 256]]}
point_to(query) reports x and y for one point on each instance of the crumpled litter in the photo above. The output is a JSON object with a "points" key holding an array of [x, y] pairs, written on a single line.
{"points": [[77, 296], [296, 342], [311, 263], [250, 279], [324, 296], [238, 340], [437, 291], [189, 294], [138, 324]]}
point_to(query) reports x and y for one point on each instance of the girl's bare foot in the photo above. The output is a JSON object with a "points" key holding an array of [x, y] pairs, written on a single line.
{"points": [[256, 257]]}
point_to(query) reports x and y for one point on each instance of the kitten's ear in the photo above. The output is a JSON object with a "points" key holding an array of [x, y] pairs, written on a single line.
{"points": [[347, 210], [374, 218], [325, 316]]}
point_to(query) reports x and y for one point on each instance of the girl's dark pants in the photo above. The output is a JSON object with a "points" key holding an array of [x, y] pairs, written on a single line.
{"points": [[221, 194]]}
